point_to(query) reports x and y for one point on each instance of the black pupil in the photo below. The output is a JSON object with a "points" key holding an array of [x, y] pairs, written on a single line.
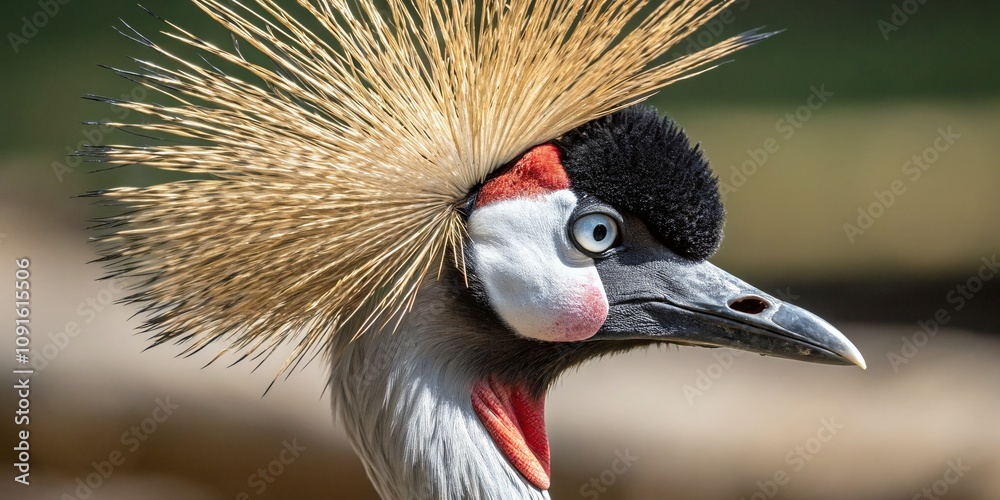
{"points": [[600, 232]]}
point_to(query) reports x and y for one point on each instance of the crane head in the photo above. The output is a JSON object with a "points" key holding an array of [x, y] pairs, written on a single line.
{"points": [[604, 234], [596, 243]]}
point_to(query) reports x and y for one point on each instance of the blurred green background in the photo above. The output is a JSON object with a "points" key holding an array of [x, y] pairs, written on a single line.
{"points": [[809, 131]]}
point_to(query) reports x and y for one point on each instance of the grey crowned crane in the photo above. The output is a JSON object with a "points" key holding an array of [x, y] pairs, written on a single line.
{"points": [[453, 203]]}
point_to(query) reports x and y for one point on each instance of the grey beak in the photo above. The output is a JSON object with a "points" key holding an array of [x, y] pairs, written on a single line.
{"points": [[655, 294]]}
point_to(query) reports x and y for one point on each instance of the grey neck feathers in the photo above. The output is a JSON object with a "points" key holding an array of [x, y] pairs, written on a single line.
{"points": [[404, 399]]}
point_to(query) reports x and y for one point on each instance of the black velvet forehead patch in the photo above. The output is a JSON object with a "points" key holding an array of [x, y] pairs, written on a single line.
{"points": [[636, 161]]}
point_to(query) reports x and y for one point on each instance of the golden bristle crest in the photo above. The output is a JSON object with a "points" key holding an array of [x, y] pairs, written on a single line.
{"points": [[339, 173]]}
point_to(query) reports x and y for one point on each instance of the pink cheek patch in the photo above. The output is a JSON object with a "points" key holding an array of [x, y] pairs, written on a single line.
{"points": [[585, 318]]}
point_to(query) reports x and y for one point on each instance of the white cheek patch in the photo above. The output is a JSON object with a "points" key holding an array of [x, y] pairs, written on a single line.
{"points": [[535, 278]]}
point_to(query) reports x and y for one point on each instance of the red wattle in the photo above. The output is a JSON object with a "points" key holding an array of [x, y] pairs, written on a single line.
{"points": [[516, 422]]}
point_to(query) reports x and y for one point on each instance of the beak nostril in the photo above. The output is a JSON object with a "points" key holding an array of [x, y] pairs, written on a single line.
{"points": [[749, 305]]}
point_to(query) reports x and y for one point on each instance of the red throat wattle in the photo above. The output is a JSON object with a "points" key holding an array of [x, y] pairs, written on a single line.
{"points": [[516, 421]]}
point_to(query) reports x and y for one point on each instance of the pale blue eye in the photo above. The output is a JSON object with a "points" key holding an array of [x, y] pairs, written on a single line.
{"points": [[595, 233]]}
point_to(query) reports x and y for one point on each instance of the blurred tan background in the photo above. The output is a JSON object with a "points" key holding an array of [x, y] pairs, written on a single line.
{"points": [[810, 131]]}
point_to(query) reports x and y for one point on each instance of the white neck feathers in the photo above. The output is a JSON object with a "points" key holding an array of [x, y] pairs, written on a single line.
{"points": [[405, 401]]}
